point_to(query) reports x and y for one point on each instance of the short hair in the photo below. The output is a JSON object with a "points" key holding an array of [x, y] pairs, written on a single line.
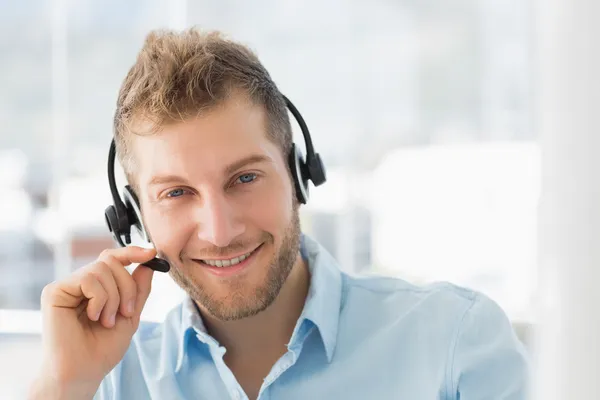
{"points": [[180, 74]]}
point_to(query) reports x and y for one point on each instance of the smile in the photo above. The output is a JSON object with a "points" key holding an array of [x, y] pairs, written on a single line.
{"points": [[223, 263]]}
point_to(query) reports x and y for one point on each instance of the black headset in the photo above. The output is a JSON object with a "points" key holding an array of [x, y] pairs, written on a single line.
{"points": [[123, 214]]}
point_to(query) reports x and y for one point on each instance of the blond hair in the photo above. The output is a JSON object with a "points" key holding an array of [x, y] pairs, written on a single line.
{"points": [[179, 75]]}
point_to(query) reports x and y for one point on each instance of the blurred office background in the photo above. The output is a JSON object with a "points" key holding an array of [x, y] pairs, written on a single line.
{"points": [[420, 109]]}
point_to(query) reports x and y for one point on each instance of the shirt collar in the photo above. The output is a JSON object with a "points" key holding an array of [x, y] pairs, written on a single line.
{"points": [[323, 301], [190, 322], [322, 306]]}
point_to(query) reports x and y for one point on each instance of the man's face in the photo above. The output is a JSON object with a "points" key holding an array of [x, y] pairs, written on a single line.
{"points": [[218, 203]]}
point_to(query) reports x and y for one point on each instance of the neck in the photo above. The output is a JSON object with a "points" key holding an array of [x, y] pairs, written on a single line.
{"points": [[267, 332]]}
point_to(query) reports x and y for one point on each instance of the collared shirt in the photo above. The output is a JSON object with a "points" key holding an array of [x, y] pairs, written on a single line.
{"points": [[357, 338]]}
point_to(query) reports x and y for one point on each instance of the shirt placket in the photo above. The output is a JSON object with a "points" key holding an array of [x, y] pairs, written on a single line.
{"points": [[286, 361], [233, 387]]}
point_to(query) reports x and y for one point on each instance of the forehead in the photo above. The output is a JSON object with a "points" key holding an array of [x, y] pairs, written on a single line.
{"points": [[206, 145]]}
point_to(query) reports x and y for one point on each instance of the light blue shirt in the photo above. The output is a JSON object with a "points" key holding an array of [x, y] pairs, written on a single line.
{"points": [[357, 338]]}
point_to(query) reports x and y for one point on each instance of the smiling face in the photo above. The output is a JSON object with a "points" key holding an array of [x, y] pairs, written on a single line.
{"points": [[219, 205]]}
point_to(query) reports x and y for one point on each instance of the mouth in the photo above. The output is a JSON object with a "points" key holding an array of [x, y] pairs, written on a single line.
{"points": [[229, 266]]}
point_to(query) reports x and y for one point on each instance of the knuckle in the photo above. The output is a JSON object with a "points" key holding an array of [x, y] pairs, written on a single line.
{"points": [[125, 283], [100, 291], [114, 300], [103, 274], [105, 254], [127, 293], [129, 283], [48, 292], [103, 297], [100, 296], [89, 280], [111, 259], [113, 296], [92, 284], [101, 268]]}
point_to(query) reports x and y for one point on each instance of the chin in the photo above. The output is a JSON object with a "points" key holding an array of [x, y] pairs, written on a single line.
{"points": [[242, 290], [242, 293]]}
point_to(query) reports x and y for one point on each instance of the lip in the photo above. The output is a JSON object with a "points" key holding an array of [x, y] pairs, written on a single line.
{"points": [[229, 257], [229, 271]]}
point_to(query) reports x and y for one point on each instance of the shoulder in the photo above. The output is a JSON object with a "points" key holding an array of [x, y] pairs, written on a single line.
{"points": [[441, 314], [399, 295], [403, 313], [465, 332], [487, 358]]}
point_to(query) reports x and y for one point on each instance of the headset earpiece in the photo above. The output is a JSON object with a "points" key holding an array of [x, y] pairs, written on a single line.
{"points": [[299, 173], [134, 213], [118, 224], [112, 221], [316, 170]]}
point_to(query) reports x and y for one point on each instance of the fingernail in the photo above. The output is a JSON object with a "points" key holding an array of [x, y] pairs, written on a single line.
{"points": [[129, 306], [98, 315], [111, 320]]}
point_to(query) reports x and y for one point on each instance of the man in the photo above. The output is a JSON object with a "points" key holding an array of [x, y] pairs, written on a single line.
{"points": [[205, 140]]}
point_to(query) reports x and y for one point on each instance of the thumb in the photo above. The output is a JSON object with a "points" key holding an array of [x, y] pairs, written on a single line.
{"points": [[143, 280]]}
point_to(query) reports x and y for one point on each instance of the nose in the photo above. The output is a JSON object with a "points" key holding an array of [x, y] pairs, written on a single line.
{"points": [[218, 222]]}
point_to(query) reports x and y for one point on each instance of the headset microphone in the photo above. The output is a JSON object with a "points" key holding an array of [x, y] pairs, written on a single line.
{"points": [[123, 214]]}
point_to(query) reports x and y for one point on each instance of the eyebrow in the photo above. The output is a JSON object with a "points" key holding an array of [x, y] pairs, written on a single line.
{"points": [[159, 180], [251, 159], [231, 168]]}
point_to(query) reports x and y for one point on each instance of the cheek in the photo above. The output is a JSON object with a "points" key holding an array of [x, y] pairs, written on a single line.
{"points": [[271, 211], [169, 231]]}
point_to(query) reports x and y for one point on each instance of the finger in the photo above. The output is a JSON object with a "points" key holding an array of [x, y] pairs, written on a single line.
{"points": [[94, 291], [105, 276], [125, 284], [64, 294], [143, 279], [73, 291], [129, 255], [68, 293]]}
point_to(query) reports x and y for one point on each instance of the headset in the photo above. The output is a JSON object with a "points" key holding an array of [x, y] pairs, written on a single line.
{"points": [[125, 213]]}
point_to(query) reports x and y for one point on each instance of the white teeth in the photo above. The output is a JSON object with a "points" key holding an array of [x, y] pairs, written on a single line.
{"points": [[227, 263]]}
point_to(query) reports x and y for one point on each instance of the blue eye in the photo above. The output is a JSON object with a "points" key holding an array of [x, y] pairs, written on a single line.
{"points": [[175, 193], [247, 178]]}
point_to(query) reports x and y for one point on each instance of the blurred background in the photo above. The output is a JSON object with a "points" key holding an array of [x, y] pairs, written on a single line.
{"points": [[421, 110]]}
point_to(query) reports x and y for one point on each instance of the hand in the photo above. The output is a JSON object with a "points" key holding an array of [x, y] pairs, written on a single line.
{"points": [[90, 317]]}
